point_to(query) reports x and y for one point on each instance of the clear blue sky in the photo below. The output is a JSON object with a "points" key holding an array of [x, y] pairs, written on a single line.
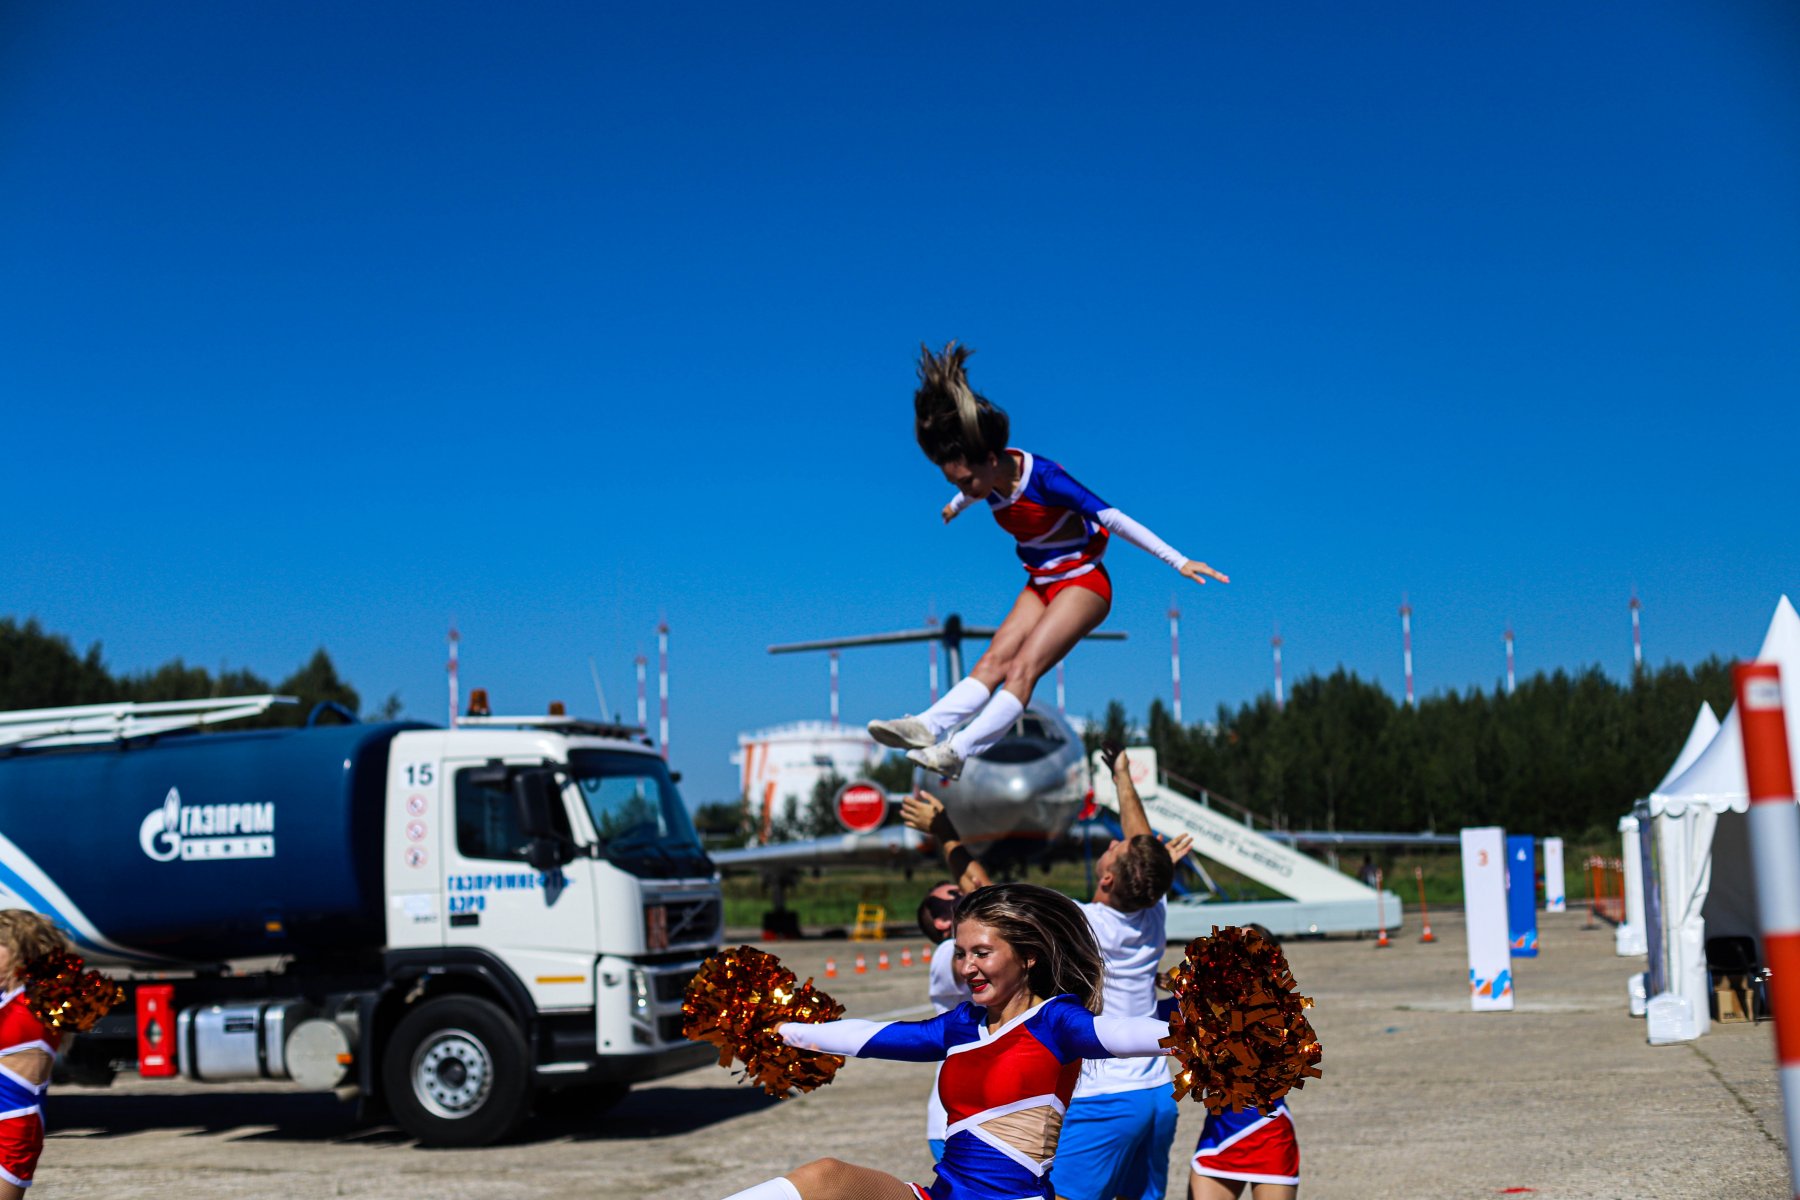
{"points": [[329, 323]]}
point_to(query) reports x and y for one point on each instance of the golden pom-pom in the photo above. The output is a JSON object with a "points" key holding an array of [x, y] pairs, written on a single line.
{"points": [[63, 996], [737, 1000], [1239, 1030]]}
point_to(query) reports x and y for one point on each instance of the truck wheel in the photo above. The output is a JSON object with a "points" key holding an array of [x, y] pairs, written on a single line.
{"points": [[455, 1072]]}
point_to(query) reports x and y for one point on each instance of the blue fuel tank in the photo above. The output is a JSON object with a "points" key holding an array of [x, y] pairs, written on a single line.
{"points": [[197, 848]]}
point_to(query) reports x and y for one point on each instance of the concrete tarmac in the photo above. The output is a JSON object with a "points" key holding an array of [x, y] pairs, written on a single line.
{"points": [[1421, 1098]]}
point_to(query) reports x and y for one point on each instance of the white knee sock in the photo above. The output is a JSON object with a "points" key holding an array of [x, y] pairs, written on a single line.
{"points": [[777, 1188], [989, 726], [958, 704]]}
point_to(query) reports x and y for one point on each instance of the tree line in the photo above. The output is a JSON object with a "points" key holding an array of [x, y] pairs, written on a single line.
{"points": [[1566, 754], [44, 670]]}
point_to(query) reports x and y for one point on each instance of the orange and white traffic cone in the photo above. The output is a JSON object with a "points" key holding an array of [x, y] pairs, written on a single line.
{"points": [[1424, 913], [1381, 939], [881, 961], [831, 968], [906, 956], [862, 965]]}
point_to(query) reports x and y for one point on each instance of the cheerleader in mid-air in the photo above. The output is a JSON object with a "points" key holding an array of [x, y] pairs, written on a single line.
{"points": [[1061, 529]]}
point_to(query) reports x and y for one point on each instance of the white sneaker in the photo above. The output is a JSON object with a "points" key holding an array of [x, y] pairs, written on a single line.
{"points": [[907, 733], [940, 760]]}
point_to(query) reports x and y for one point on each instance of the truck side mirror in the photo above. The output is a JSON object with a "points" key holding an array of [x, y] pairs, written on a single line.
{"points": [[546, 854]]}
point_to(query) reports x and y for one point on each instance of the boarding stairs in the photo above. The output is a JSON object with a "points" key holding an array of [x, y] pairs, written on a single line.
{"points": [[1321, 900]]}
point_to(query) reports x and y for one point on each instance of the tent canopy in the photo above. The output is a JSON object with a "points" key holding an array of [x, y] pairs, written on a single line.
{"points": [[1715, 777]]}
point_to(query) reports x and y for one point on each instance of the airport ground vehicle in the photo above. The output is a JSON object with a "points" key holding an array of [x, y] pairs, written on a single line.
{"points": [[441, 923]]}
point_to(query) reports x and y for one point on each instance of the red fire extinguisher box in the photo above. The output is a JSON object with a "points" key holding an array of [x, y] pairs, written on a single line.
{"points": [[156, 1030]]}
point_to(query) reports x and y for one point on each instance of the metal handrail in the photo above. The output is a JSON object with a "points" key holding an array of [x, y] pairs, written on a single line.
{"points": [[1205, 795]]}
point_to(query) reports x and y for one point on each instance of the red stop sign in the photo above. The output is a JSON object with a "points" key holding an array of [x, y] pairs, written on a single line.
{"points": [[862, 807]]}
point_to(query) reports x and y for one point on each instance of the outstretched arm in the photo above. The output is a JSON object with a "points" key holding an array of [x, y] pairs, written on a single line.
{"points": [[925, 812], [1078, 1033], [905, 1041], [957, 503]]}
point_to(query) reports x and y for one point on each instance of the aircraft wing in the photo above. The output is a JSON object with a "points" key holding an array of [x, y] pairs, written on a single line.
{"points": [[883, 846]]}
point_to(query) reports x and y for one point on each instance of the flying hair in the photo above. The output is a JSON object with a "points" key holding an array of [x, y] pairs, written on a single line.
{"points": [[953, 422], [1047, 929]]}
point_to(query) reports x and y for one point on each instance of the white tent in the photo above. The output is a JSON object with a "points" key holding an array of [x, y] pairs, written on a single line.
{"points": [[1702, 844], [1631, 937]]}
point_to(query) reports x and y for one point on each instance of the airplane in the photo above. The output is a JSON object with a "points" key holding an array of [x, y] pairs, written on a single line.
{"points": [[1013, 800]]}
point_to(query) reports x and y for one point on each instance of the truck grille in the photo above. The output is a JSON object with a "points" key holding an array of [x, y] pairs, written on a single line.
{"points": [[695, 920], [669, 1028], [673, 986]]}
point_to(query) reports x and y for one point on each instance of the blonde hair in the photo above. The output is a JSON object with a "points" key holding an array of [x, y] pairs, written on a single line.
{"points": [[29, 935], [1047, 929], [953, 422]]}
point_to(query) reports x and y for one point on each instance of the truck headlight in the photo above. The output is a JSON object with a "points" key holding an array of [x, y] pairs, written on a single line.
{"points": [[640, 994]]}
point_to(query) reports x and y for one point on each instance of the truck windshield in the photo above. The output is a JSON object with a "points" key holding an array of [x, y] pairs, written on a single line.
{"points": [[642, 823]]}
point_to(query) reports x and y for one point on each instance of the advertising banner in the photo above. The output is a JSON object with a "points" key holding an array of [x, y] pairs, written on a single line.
{"points": [[1554, 899], [1521, 894], [1484, 909]]}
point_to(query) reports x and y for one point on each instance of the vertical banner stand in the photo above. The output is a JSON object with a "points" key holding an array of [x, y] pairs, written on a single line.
{"points": [[1521, 894], [1775, 859], [1484, 910], [1555, 900]]}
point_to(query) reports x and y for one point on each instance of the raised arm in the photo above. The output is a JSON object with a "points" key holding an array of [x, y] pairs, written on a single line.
{"points": [[1132, 820], [957, 503], [925, 812]]}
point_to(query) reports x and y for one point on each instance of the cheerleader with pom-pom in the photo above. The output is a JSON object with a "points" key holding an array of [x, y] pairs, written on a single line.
{"points": [[1011, 1055], [43, 993], [1061, 529]]}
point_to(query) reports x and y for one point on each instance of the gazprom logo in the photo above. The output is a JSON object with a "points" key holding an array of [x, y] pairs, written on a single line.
{"points": [[207, 832]]}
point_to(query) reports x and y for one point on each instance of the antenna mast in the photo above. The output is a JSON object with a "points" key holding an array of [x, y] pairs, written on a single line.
{"points": [[1280, 698], [662, 686], [1175, 654], [1406, 646], [455, 638]]}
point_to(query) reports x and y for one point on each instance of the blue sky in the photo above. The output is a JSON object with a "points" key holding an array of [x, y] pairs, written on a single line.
{"points": [[329, 324]]}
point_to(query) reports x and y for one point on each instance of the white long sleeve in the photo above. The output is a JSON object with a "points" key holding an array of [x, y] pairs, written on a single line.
{"points": [[959, 502], [1114, 521], [1131, 1037]]}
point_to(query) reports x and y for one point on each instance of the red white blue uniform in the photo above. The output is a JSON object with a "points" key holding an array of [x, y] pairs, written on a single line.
{"points": [[1060, 526], [21, 1101], [1004, 1091], [1250, 1145]]}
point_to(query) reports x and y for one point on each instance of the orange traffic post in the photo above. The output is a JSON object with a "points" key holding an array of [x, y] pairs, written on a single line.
{"points": [[1424, 913], [1593, 905], [1775, 861], [1381, 940]]}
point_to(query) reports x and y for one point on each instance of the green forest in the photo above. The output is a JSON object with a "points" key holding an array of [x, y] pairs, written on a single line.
{"points": [[1565, 754], [44, 670]]}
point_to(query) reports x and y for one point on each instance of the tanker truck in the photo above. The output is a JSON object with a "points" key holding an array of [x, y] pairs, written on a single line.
{"points": [[442, 925]]}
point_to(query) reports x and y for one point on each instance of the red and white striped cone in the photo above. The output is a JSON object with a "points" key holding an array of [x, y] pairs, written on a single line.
{"points": [[1775, 861], [906, 956], [1424, 912], [862, 965], [831, 968], [881, 961]]}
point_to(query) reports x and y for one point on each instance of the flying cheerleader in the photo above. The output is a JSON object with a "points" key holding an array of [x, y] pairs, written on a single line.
{"points": [[1061, 529]]}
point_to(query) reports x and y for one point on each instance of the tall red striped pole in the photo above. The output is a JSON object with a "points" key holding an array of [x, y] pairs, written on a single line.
{"points": [[1406, 645], [1061, 696], [1175, 654], [834, 689], [455, 643], [1637, 634], [643, 705], [662, 686], [931, 622], [1775, 860], [1509, 660], [1280, 699]]}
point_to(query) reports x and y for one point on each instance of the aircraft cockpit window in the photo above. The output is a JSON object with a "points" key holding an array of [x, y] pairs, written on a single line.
{"points": [[1037, 729]]}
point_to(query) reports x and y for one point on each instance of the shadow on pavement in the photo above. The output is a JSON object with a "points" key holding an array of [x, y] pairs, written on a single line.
{"points": [[648, 1112]]}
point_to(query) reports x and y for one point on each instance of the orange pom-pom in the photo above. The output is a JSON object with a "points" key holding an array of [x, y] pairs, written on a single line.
{"points": [[63, 996], [737, 1000], [1239, 1030]]}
